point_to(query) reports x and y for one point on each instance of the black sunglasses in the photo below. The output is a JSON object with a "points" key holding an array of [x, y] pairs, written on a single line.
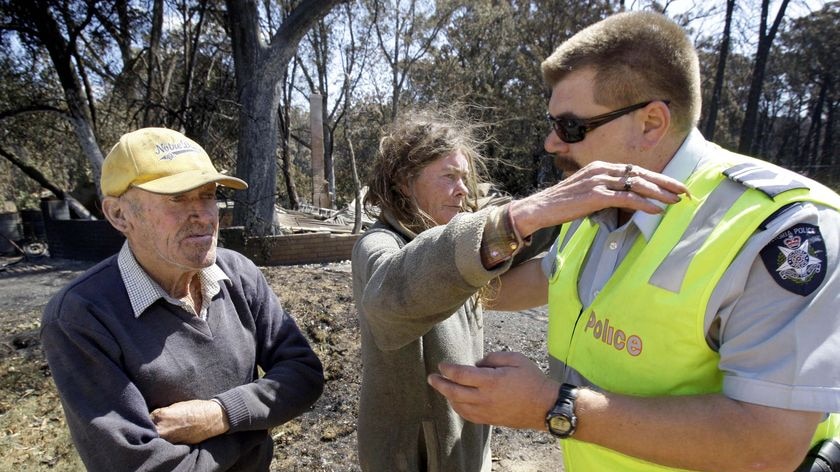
{"points": [[572, 129]]}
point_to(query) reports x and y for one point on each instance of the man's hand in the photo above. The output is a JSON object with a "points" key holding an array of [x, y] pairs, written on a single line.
{"points": [[504, 388], [190, 422]]}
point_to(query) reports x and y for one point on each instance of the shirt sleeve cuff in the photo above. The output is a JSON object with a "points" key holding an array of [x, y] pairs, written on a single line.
{"points": [[500, 241]]}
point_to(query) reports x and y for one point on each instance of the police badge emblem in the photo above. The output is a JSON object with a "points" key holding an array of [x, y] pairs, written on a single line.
{"points": [[796, 258]]}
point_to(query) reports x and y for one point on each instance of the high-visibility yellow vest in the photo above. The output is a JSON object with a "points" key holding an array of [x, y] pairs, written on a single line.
{"points": [[643, 334]]}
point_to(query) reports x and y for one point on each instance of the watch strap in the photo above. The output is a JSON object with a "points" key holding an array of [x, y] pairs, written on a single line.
{"points": [[568, 391]]}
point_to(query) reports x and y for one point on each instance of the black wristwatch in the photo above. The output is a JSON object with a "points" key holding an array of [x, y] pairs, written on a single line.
{"points": [[561, 419]]}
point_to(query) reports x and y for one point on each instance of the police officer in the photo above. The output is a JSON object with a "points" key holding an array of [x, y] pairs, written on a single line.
{"points": [[702, 338]]}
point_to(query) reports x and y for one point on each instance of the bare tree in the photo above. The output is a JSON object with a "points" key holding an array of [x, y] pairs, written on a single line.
{"points": [[153, 62], [357, 189], [285, 113], [323, 42], [765, 41], [259, 70], [404, 35], [35, 20], [720, 74], [119, 21], [42, 180]]}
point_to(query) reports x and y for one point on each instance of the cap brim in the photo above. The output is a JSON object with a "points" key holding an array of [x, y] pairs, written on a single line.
{"points": [[190, 180]]}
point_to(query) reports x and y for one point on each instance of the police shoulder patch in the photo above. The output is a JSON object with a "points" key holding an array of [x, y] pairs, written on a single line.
{"points": [[796, 258]]}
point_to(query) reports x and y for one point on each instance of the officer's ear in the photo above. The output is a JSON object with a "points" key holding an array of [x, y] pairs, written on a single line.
{"points": [[115, 212], [656, 123]]}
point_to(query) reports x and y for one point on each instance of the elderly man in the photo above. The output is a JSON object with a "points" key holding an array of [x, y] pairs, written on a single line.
{"points": [[704, 338], [157, 350]]}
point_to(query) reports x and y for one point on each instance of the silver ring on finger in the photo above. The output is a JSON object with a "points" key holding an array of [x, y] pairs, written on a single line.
{"points": [[628, 169], [628, 183]]}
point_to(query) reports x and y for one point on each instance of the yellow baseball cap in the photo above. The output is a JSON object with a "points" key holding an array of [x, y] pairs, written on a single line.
{"points": [[160, 160]]}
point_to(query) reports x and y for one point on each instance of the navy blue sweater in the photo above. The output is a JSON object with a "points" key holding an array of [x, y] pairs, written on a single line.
{"points": [[112, 369]]}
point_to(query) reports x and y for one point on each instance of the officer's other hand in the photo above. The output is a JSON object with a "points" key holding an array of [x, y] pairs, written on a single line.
{"points": [[504, 388]]}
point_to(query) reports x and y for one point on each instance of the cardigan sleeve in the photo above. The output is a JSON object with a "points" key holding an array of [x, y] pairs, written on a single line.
{"points": [[293, 378], [404, 290]]}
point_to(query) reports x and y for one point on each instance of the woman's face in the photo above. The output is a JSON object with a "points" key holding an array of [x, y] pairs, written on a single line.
{"points": [[439, 189]]}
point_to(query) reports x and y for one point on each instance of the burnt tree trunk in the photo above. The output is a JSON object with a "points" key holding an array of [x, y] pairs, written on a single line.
{"points": [[42, 180], [714, 102], [765, 41], [259, 69], [357, 190]]}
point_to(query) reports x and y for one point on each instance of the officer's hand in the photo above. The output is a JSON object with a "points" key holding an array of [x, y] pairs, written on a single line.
{"points": [[504, 389], [190, 422]]}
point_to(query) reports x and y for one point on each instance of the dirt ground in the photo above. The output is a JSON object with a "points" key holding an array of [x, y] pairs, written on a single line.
{"points": [[33, 433]]}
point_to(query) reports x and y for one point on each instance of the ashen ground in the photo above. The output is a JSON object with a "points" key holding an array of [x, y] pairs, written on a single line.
{"points": [[33, 433]]}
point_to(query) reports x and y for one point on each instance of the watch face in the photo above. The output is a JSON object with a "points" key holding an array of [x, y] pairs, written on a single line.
{"points": [[561, 424], [561, 420]]}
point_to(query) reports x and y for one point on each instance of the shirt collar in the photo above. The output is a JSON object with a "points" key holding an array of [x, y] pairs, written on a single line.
{"points": [[143, 291], [680, 167]]}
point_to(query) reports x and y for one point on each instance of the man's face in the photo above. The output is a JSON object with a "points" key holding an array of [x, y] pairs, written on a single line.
{"points": [[173, 232], [439, 189], [610, 142]]}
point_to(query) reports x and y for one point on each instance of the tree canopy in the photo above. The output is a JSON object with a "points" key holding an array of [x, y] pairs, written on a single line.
{"points": [[237, 76]]}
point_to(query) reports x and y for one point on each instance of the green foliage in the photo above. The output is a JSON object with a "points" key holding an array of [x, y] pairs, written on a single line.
{"points": [[363, 126], [490, 59], [484, 54], [807, 102], [191, 88], [734, 95]]}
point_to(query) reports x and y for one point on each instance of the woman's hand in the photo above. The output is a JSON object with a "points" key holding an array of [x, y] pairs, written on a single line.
{"points": [[597, 186]]}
